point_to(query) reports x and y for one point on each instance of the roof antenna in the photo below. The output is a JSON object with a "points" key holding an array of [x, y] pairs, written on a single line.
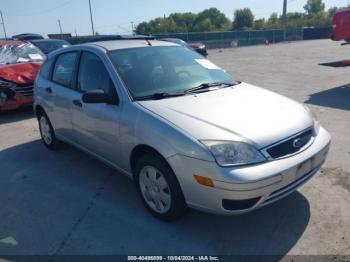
{"points": [[148, 42]]}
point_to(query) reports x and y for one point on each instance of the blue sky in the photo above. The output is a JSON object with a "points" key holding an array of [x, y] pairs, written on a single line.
{"points": [[114, 16]]}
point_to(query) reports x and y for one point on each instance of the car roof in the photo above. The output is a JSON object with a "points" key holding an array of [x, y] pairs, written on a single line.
{"points": [[125, 44], [47, 40], [100, 38], [27, 36]]}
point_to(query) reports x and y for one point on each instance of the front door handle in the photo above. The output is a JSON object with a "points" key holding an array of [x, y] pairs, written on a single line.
{"points": [[77, 103], [48, 90]]}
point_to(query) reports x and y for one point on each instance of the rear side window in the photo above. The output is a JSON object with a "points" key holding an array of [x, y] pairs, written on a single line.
{"points": [[64, 67], [93, 74], [46, 69]]}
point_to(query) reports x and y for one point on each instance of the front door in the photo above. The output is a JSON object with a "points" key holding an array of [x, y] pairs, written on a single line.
{"points": [[96, 126]]}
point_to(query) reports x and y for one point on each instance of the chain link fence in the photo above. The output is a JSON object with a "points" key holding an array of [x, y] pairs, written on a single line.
{"points": [[238, 38]]}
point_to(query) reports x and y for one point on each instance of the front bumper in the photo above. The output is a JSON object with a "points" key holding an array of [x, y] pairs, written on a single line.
{"points": [[18, 101], [242, 189]]}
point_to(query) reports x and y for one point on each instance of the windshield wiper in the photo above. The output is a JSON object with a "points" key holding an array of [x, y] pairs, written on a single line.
{"points": [[158, 96], [207, 86]]}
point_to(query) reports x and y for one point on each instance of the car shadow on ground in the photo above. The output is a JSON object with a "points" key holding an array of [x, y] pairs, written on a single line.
{"points": [[66, 202], [16, 115], [343, 63], [337, 97]]}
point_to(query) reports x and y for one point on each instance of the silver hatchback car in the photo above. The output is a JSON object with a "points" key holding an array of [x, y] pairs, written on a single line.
{"points": [[180, 126]]}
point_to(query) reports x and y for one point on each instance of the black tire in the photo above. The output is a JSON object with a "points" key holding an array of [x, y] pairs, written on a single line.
{"points": [[54, 143], [178, 205]]}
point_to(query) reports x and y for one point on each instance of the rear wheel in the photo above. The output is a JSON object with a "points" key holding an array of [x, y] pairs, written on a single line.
{"points": [[46, 131], [159, 189]]}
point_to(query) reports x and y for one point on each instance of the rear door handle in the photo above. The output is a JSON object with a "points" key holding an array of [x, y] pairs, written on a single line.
{"points": [[48, 90], [77, 103]]}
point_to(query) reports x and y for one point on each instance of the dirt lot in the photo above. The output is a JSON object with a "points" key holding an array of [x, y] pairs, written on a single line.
{"points": [[65, 202]]}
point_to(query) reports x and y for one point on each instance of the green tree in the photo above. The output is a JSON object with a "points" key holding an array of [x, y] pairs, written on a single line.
{"points": [[143, 28], [259, 24], [208, 20], [204, 26], [314, 7], [212, 19], [295, 20], [244, 19], [332, 11], [184, 21], [273, 22]]}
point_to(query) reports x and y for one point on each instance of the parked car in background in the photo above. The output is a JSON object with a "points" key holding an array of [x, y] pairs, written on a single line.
{"points": [[198, 47], [27, 37], [341, 26], [99, 38], [19, 64], [48, 45], [180, 126]]}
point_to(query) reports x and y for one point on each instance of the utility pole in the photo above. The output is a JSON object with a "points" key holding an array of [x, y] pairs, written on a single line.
{"points": [[92, 21], [284, 20], [132, 27], [3, 24], [59, 24]]}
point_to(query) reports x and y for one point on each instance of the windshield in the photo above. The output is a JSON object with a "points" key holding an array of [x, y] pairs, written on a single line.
{"points": [[22, 53], [49, 46], [167, 69]]}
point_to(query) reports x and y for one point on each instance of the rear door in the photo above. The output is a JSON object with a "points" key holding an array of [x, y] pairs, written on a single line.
{"points": [[62, 92], [96, 126]]}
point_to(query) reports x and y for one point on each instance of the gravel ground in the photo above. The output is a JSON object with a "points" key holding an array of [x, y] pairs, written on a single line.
{"points": [[66, 202]]}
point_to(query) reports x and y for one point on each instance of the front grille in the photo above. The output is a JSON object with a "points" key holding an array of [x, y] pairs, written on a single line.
{"points": [[25, 90], [290, 146]]}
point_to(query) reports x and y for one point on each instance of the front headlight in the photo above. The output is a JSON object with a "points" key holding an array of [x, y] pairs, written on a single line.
{"points": [[228, 153]]}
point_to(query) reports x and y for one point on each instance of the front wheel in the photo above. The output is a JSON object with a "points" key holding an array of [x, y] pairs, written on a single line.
{"points": [[159, 189]]}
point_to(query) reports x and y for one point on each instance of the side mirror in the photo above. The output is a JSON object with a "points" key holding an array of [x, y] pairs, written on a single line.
{"points": [[98, 96]]}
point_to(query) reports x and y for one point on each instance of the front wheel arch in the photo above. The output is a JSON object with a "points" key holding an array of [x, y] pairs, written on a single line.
{"points": [[178, 206], [141, 150]]}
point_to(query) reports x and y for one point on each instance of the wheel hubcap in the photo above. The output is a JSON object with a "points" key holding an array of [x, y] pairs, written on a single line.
{"points": [[45, 130], [155, 189]]}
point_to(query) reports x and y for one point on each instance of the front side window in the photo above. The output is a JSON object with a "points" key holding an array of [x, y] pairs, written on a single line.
{"points": [[64, 67], [165, 69], [93, 74]]}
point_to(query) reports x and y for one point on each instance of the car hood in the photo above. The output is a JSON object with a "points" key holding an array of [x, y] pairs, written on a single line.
{"points": [[240, 113], [22, 74]]}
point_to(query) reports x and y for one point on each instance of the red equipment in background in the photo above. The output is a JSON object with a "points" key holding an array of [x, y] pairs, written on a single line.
{"points": [[341, 26]]}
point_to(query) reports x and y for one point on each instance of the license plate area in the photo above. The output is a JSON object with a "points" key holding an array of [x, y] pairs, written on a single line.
{"points": [[305, 167], [311, 163]]}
